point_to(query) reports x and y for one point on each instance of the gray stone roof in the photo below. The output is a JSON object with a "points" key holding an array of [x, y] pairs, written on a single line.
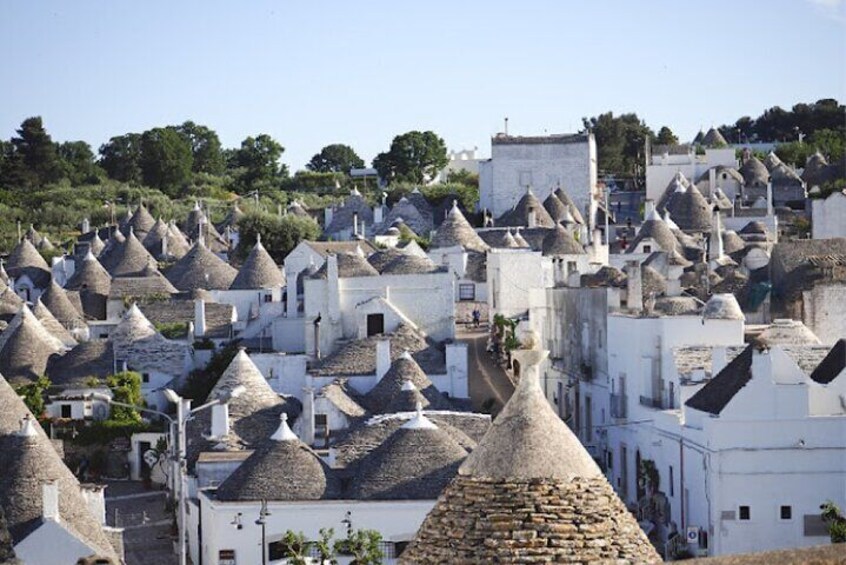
{"points": [[342, 217], [559, 242], [676, 306], [25, 256], [141, 222], [93, 358], [411, 265], [350, 265], [177, 243], [281, 468], [690, 210], [653, 283], [235, 213], [358, 357], [713, 138], [384, 256], [415, 462], [155, 285], [658, 231], [732, 242], [136, 341], [253, 416], [51, 324], [258, 271], [519, 215], [722, 307], [782, 175], [564, 197], [606, 276], [326, 248], [128, 258], [556, 209], [56, 300], [455, 230], [218, 316], [529, 459], [10, 303], [344, 398], [787, 332], [403, 369], [554, 139], [28, 463], [691, 358], [411, 216], [25, 347], [201, 269], [755, 173], [90, 278]]}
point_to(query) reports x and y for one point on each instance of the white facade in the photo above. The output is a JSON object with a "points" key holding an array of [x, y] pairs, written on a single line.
{"points": [[661, 169], [829, 216], [542, 163], [463, 160], [512, 273]]}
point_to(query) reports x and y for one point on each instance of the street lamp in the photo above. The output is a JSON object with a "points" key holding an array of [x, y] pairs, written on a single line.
{"points": [[178, 444], [262, 521]]}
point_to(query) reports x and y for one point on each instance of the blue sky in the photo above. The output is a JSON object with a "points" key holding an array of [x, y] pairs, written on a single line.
{"points": [[314, 73]]}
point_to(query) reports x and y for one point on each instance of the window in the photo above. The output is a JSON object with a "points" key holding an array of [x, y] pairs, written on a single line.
{"points": [[744, 513], [609, 455], [467, 291], [276, 551], [226, 557], [786, 512], [321, 429], [145, 377], [672, 488], [375, 324], [66, 410], [647, 249], [268, 298]]}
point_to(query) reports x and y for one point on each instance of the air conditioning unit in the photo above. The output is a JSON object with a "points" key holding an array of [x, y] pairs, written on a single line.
{"points": [[692, 535]]}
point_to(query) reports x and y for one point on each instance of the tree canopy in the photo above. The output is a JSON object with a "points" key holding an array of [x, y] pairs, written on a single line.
{"points": [[778, 124], [414, 156], [166, 160], [666, 137], [258, 159], [620, 142], [34, 160], [335, 158], [279, 234]]}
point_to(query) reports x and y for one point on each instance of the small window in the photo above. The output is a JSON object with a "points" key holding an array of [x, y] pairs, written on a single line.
{"points": [[647, 249], [744, 513], [609, 459], [66, 410], [467, 291], [145, 377], [276, 551], [786, 512], [268, 298], [226, 557]]}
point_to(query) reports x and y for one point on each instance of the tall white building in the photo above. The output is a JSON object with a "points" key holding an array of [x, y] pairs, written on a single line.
{"points": [[543, 163]]}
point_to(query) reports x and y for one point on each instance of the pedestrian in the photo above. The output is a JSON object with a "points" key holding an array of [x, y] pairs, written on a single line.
{"points": [[477, 317]]}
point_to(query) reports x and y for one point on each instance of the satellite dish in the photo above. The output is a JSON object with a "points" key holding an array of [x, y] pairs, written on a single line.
{"points": [[151, 457]]}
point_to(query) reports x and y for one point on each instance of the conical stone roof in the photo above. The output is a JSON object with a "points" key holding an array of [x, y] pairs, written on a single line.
{"points": [[403, 369], [570, 204], [141, 222], [519, 215], [406, 400], [415, 463], [52, 325], [455, 230], [559, 242], [350, 265], [127, 259], [281, 468], [23, 256], [10, 303], [56, 300], [556, 209], [90, 277], [4, 276], [30, 461], [529, 460], [153, 240], [714, 139], [25, 347], [177, 243], [658, 231], [200, 268], [755, 173], [258, 271], [407, 264], [380, 259], [96, 245], [691, 210]]}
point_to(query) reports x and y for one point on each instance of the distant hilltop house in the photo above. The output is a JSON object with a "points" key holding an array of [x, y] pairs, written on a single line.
{"points": [[542, 163], [462, 160]]}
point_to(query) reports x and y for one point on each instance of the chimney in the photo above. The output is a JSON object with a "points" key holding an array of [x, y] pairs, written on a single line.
{"points": [[86, 225], [50, 501], [220, 420], [190, 335], [328, 213], [712, 181], [355, 223], [574, 279], [377, 214], [648, 208], [199, 317], [164, 246], [533, 219], [596, 241], [383, 358], [634, 286], [718, 359], [716, 246], [308, 416]]}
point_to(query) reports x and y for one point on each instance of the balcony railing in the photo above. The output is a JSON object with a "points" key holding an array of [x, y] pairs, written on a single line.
{"points": [[618, 405]]}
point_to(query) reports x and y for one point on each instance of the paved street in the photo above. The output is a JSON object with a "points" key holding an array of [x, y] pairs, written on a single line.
{"points": [[146, 524], [487, 380]]}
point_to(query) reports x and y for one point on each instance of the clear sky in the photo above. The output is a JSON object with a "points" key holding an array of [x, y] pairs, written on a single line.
{"points": [[314, 73]]}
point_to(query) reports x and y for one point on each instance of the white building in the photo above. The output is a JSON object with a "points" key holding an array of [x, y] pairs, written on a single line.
{"points": [[828, 216], [462, 160], [665, 161], [543, 163]]}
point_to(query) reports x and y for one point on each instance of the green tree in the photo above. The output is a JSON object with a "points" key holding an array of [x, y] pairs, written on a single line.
{"points": [[126, 388], [258, 159], [294, 548], [363, 545], [166, 160], [38, 156], [33, 395], [836, 521], [465, 177], [620, 143], [335, 158], [279, 234], [121, 158], [205, 148], [78, 163], [666, 137], [414, 156]]}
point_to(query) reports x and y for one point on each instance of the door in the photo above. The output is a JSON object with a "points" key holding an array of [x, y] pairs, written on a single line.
{"points": [[624, 473], [588, 420], [66, 410], [375, 324]]}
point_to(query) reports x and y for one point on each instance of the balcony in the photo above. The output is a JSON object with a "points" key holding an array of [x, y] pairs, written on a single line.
{"points": [[618, 406]]}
